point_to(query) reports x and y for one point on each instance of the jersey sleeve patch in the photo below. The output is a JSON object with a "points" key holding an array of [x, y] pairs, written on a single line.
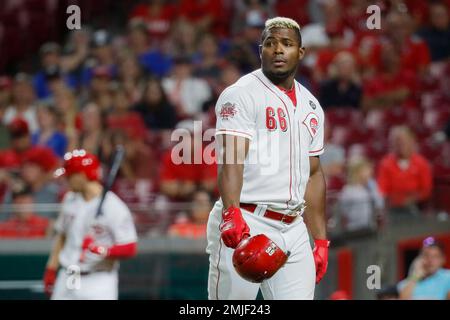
{"points": [[227, 110], [312, 123]]}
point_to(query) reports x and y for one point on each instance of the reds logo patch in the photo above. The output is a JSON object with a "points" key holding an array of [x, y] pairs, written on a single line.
{"points": [[227, 111], [314, 124], [311, 122]]}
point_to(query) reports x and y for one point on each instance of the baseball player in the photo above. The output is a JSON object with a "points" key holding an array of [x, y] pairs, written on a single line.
{"points": [[263, 109], [87, 248]]}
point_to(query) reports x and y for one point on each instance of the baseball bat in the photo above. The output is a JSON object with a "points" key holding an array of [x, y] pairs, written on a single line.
{"points": [[108, 182]]}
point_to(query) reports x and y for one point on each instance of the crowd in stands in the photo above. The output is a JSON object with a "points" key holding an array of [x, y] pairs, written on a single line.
{"points": [[385, 92]]}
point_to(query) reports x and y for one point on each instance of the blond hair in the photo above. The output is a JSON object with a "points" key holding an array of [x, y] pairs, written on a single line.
{"points": [[281, 22], [354, 169]]}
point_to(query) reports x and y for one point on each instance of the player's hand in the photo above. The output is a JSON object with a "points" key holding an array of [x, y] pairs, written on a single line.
{"points": [[320, 254], [49, 281], [91, 251], [87, 241], [233, 228]]}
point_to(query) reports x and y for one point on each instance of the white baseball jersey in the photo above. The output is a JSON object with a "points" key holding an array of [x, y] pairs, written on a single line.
{"points": [[77, 220], [283, 137]]}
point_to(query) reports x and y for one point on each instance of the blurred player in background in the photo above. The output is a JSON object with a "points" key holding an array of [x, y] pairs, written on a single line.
{"points": [[87, 246]]}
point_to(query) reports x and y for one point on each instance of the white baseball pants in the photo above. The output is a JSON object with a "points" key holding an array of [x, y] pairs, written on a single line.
{"points": [[94, 286]]}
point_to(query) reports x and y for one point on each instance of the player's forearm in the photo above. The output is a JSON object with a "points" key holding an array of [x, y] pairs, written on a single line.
{"points": [[53, 260], [230, 182], [233, 151], [315, 205]]}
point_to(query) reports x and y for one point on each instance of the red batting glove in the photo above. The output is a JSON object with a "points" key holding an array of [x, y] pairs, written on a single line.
{"points": [[87, 241], [49, 281], [88, 245], [320, 254], [100, 250], [233, 228]]}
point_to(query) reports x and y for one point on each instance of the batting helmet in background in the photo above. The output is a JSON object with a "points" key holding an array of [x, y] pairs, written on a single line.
{"points": [[79, 161]]}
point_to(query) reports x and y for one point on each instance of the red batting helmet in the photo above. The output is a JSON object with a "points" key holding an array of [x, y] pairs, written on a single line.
{"points": [[79, 161], [258, 258]]}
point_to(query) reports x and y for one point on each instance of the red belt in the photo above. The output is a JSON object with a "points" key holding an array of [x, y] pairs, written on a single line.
{"points": [[269, 213]]}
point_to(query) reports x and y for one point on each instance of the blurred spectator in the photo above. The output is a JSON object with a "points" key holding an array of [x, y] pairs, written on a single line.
{"points": [[392, 86], [103, 55], [333, 162], [250, 14], [427, 279], [24, 222], [404, 176], [131, 77], [121, 117], [194, 225], [153, 60], [55, 82], [181, 175], [360, 201], [244, 47], [343, 88], [5, 100], [418, 9], [229, 75], [139, 162], [183, 39], [355, 16], [76, 51], [207, 62], [101, 84], [185, 92], [37, 171], [50, 55], [48, 133], [339, 37], [20, 142], [388, 293], [66, 106], [437, 35], [204, 14], [155, 109], [22, 102], [414, 53], [315, 39], [37, 166], [242, 55], [157, 15], [92, 133]]}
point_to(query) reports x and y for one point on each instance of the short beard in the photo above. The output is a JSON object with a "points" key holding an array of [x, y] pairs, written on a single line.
{"points": [[278, 77]]}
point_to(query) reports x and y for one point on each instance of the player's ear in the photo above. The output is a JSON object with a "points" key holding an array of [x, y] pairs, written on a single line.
{"points": [[301, 52], [260, 51]]}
